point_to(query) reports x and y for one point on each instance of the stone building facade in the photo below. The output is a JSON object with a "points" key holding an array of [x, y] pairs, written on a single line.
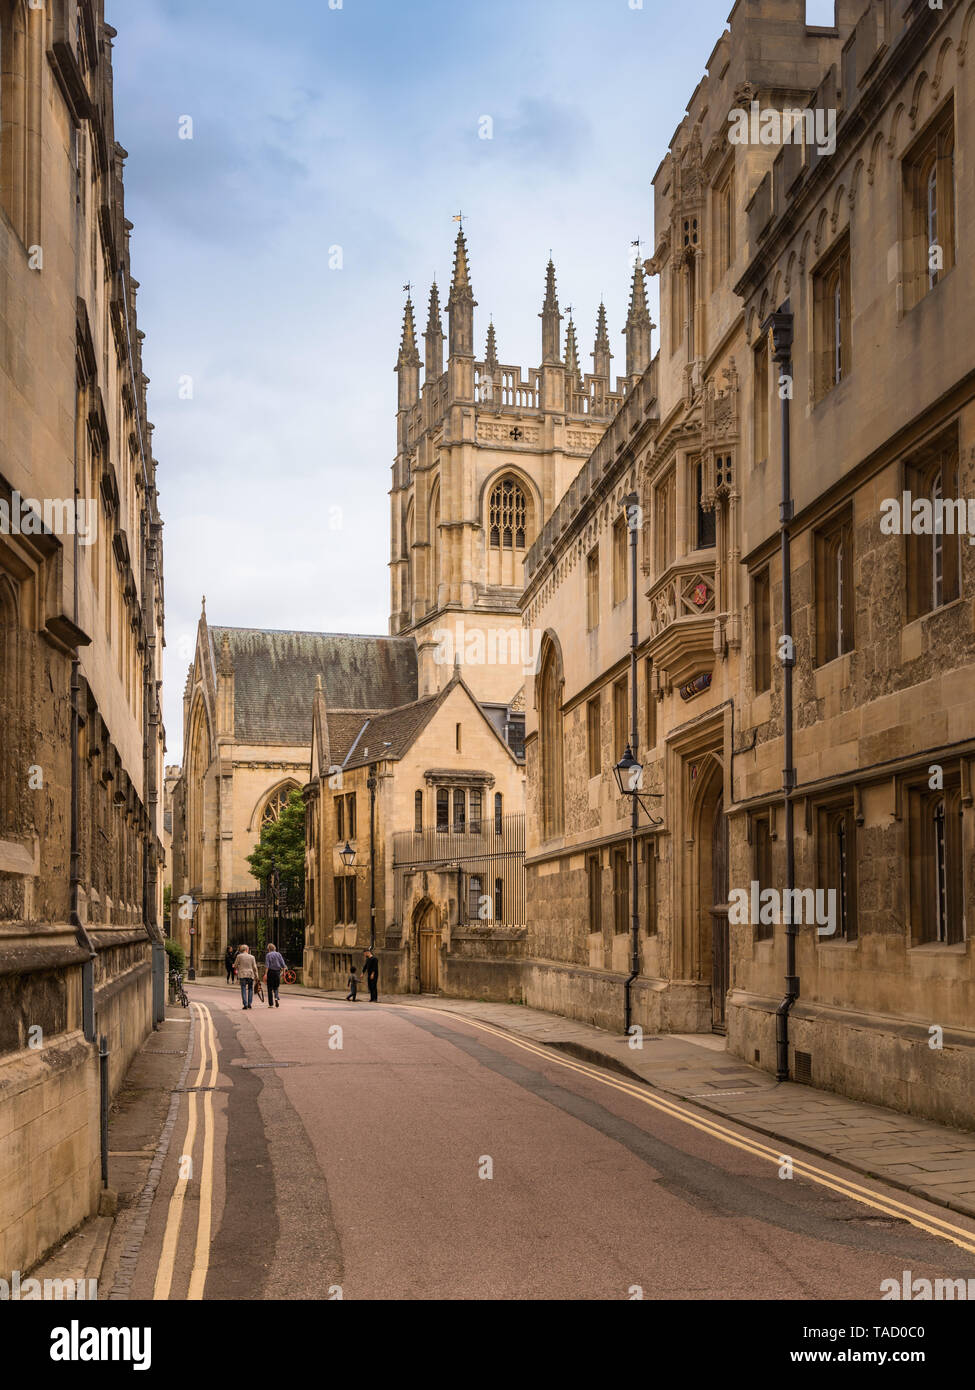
{"points": [[860, 241], [430, 799], [81, 626]]}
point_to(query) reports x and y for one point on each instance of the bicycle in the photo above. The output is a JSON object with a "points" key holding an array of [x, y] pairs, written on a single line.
{"points": [[288, 975], [178, 994]]}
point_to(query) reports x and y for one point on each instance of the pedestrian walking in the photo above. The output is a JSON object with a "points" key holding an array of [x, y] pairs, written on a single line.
{"points": [[353, 984], [228, 961], [246, 974], [274, 963], [370, 966]]}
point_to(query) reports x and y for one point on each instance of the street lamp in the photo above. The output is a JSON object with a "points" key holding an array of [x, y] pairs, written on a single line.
{"points": [[347, 855], [629, 778]]}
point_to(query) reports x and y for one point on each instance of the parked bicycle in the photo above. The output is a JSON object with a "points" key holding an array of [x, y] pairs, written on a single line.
{"points": [[289, 976], [177, 993]]}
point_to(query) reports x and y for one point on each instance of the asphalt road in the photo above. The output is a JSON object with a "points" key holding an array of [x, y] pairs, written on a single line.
{"points": [[383, 1151]]}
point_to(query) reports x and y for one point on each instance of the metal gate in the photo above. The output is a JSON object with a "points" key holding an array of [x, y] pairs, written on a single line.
{"points": [[258, 918]]}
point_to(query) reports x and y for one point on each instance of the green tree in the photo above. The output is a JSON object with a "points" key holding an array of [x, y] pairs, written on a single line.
{"points": [[282, 840]]}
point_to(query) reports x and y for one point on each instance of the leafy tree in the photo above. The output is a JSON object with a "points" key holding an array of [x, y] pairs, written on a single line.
{"points": [[282, 840]]}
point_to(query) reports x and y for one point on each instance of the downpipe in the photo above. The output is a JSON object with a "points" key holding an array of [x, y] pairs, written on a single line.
{"points": [[632, 514], [780, 325]]}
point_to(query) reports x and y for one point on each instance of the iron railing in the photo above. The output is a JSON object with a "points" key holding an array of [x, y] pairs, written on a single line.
{"points": [[489, 859]]}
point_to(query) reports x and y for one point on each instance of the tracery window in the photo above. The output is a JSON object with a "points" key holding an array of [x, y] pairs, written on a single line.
{"points": [[508, 514], [276, 803]]}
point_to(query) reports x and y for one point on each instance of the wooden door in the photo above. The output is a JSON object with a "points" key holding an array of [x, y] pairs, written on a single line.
{"points": [[720, 943], [429, 954]]}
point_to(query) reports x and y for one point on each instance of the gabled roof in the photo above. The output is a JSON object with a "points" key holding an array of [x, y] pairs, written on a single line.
{"points": [[274, 679]]}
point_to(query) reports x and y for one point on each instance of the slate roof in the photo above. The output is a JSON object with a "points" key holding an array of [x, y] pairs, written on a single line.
{"points": [[274, 678], [397, 727]]}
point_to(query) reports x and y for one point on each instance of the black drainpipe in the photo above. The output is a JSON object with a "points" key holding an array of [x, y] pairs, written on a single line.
{"points": [[631, 508], [780, 325]]}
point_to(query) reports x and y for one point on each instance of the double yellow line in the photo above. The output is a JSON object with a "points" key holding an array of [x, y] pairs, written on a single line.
{"points": [[201, 1255], [934, 1225]]}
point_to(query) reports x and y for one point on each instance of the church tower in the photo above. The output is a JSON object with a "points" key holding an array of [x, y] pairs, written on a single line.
{"points": [[485, 452]]}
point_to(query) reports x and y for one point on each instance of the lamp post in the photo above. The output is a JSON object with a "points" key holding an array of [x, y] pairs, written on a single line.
{"points": [[628, 771], [780, 326], [191, 974], [372, 784]]}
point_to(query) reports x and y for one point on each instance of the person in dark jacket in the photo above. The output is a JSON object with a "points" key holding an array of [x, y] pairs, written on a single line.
{"points": [[273, 964], [353, 985], [370, 966], [228, 961]]}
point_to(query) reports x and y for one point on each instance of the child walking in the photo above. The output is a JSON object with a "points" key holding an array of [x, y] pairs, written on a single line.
{"points": [[353, 985]]}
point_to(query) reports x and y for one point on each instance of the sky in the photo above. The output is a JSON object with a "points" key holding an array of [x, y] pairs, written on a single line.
{"points": [[332, 142]]}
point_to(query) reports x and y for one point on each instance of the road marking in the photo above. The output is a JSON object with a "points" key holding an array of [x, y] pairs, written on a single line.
{"points": [[167, 1258], [201, 1257], [864, 1195]]}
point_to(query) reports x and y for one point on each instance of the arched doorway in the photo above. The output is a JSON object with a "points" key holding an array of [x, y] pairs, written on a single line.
{"points": [[428, 947], [711, 951]]}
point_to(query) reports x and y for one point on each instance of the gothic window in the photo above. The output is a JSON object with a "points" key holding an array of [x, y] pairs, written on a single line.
{"points": [[706, 519], [9, 681], [435, 562], [550, 743], [832, 314], [666, 522], [594, 878], [475, 885], [508, 516], [620, 542], [837, 866], [443, 810], [499, 899], [475, 809], [937, 880], [498, 813], [929, 207], [834, 589], [13, 114], [592, 589], [761, 632], [760, 419], [650, 887], [418, 812], [934, 557], [762, 867], [621, 892], [276, 803], [621, 715], [460, 811], [593, 736]]}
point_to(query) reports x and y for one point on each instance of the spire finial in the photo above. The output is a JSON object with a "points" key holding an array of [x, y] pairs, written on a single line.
{"points": [[551, 319], [601, 355], [491, 353], [638, 326], [572, 352], [408, 355]]}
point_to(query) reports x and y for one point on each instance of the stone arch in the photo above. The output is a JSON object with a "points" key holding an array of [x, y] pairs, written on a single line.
{"points": [[549, 696], [837, 204], [939, 70], [199, 755], [966, 29], [892, 133], [922, 81], [875, 148], [433, 533], [267, 798], [409, 536]]}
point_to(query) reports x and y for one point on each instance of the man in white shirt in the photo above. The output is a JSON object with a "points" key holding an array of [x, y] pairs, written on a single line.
{"points": [[246, 974]]}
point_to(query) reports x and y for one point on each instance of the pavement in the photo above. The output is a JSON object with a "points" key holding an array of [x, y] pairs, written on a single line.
{"points": [[336, 1150], [925, 1159]]}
